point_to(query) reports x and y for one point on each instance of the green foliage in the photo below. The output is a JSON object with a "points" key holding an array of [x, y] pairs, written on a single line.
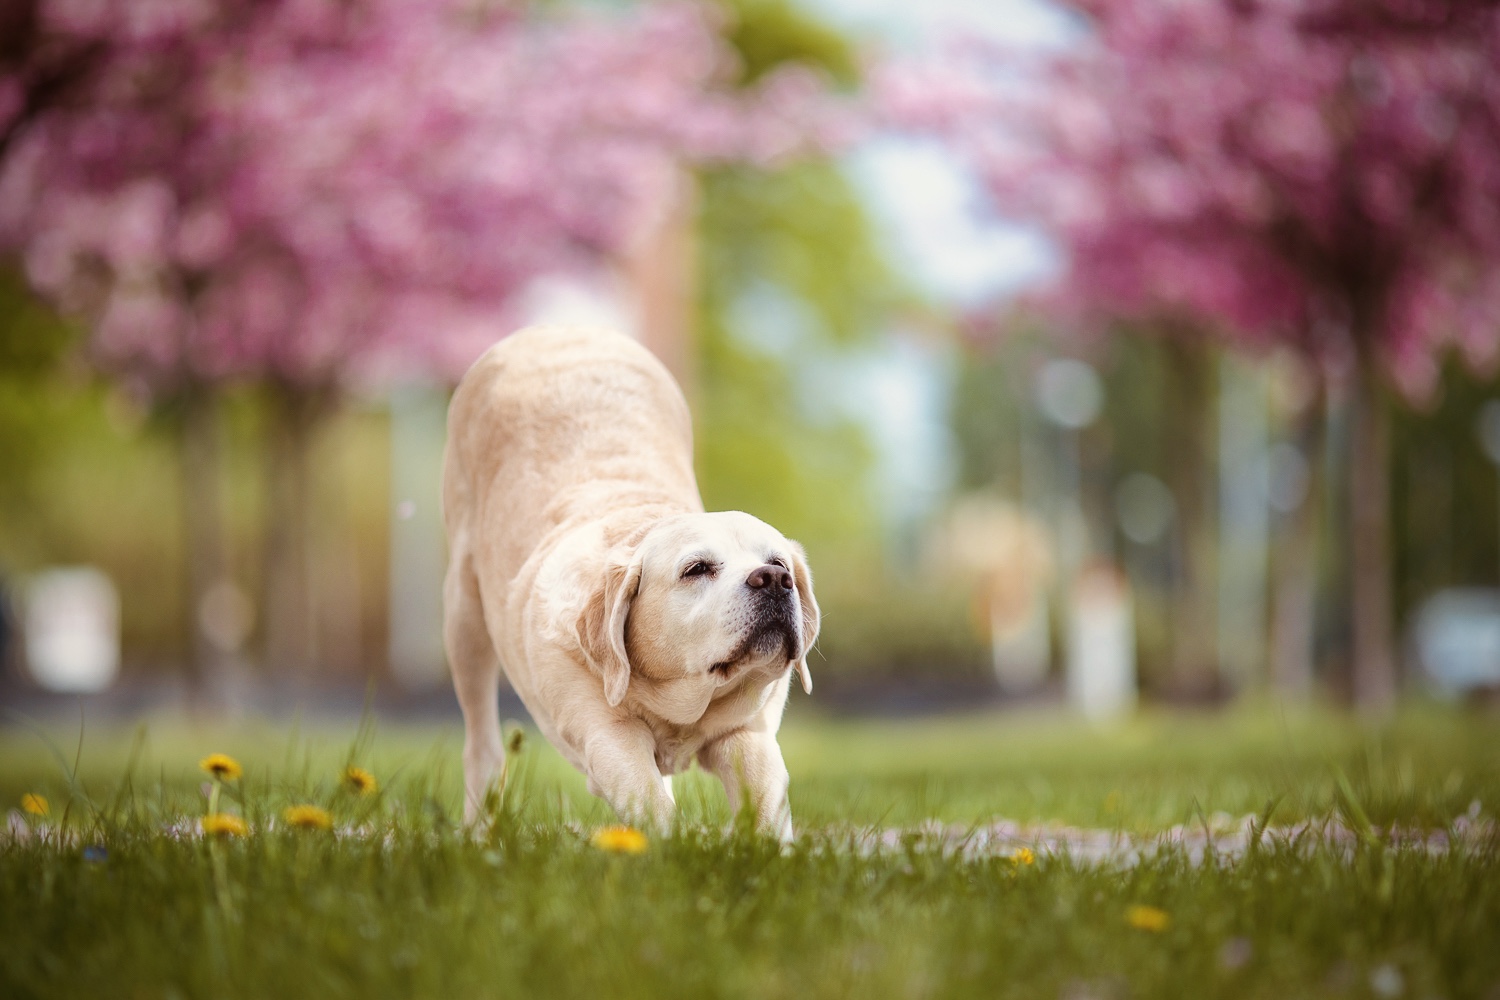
{"points": [[889, 630], [802, 229], [762, 448], [34, 344], [1445, 515], [986, 413], [768, 33], [89, 476], [993, 408], [84, 478]]}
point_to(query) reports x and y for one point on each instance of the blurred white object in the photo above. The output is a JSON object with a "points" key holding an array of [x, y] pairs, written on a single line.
{"points": [[1101, 644], [1069, 393], [1457, 639], [1144, 507], [73, 630], [1021, 651]]}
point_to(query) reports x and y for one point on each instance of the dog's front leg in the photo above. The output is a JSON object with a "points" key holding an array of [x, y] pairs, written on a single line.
{"points": [[621, 760], [749, 765]]}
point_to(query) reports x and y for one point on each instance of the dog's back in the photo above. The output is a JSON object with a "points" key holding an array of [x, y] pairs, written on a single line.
{"points": [[555, 421]]}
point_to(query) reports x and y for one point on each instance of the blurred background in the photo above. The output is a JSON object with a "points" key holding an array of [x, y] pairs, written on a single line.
{"points": [[1096, 353]]}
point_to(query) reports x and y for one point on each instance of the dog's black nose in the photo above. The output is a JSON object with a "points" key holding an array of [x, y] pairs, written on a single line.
{"points": [[770, 577]]}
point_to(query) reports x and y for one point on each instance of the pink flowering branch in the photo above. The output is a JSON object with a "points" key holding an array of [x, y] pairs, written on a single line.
{"points": [[304, 189]]}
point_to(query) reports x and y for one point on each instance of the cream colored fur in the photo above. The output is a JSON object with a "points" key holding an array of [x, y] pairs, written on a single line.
{"points": [[577, 547]]}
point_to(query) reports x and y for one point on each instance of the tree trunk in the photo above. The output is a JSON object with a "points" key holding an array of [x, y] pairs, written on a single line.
{"points": [[333, 558], [1295, 587], [203, 534], [1370, 594], [290, 635], [1193, 614]]}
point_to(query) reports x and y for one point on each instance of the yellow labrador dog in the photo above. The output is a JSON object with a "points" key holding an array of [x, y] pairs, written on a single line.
{"points": [[640, 632]]}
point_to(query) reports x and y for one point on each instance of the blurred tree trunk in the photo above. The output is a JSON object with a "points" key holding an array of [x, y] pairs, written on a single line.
{"points": [[661, 267], [290, 638], [1295, 583], [1191, 363], [203, 532], [333, 554], [1370, 592]]}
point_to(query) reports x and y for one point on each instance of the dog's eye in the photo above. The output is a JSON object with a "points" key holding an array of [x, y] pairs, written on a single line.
{"points": [[699, 568], [778, 561]]}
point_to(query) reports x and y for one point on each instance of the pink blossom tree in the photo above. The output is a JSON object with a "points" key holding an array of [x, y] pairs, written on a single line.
{"points": [[1317, 174], [304, 193]]}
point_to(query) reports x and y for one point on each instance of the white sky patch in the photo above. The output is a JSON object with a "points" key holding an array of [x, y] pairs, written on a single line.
{"points": [[937, 228], [902, 396], [768, 319], [929, 205], [905, 24]]}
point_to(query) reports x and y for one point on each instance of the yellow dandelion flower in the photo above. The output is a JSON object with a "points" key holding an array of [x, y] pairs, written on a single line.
{"points": [[1148, 918], [360, 780], [307, 818], [35, 804], [222, 766], [1022, 856], [224, 825], [620, 840]]}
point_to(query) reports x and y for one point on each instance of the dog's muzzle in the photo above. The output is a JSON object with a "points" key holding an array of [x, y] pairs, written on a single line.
{"points": [[773, 627]]}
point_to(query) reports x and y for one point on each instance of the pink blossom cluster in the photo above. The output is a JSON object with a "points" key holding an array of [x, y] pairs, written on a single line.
{"points": [[1313, 172], [302, 190]]}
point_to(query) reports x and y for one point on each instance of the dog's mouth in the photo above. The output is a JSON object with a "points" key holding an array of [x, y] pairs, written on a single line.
{"points": [[760, 642]]}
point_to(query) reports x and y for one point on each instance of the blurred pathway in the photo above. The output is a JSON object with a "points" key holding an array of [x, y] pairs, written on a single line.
{"points": [[1222, 835]]}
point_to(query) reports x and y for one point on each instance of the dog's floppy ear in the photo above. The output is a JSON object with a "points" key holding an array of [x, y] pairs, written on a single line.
{"points": [[811, 617], [601, 626]]}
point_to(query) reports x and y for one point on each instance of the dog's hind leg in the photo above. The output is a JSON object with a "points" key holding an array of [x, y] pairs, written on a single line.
{"points": [[476, 681]]}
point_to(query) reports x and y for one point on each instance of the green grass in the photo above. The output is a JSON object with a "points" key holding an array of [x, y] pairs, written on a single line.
{"points": [[414, 907]]}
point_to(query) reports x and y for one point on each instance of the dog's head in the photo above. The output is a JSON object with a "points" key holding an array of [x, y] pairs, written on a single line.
{"points": [[702, 602]]}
